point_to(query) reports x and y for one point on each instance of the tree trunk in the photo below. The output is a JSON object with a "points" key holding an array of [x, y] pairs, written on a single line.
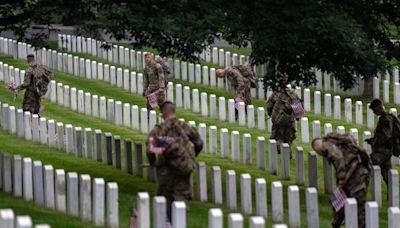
{"points": [[368, 87]]}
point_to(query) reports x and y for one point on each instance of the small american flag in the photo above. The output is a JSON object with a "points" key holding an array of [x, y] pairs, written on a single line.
{"points": [[152, 100], [338, 199], [159, 145], [298, 110], [237, 102]]}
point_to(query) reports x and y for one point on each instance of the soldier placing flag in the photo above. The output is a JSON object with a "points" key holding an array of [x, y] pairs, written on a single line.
{"points": [[353, 171], [242, 79], [36, 80]]}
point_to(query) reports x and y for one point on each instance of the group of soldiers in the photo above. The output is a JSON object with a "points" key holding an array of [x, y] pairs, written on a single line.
{"points": [[172, 145]]}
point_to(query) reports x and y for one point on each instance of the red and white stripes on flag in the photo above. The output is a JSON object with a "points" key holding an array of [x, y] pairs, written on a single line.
{"points": [[338, 199], [298, 110]]}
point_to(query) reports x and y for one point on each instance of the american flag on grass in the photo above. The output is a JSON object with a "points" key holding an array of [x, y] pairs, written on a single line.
{"points": [[298, 109], [338, 199]]}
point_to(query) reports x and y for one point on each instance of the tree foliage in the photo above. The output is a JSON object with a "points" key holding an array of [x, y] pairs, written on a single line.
{"points": [[352, 38]]}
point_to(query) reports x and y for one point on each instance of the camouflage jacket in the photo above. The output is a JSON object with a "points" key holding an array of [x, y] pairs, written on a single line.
{"points": [[153, 78], [169, 128], [351, 163], [239, 82], [279, 105], [28, 79], [381, 142]]}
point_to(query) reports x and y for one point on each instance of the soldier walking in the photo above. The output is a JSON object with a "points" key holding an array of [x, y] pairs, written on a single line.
{"points": [[172, 147], [36, 79], [280, 110], [153, 82], [382, 143], [353, 170]]}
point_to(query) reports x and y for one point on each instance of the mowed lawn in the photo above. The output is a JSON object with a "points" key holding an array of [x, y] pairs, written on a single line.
{"points": [[198, 211]]}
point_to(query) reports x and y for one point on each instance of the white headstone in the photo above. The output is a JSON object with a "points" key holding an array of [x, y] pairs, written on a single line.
{"points": [[312, 208], [351, 217], [317, 102], [72, 194], [59, 188], [231, 200], [112, 205], [277, 202]]}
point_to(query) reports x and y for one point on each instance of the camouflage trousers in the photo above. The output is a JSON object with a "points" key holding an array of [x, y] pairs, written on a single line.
{"points": [[283, 133], [174, 188], [160, 100], [31, 102], [360, 196], [384, 162]]}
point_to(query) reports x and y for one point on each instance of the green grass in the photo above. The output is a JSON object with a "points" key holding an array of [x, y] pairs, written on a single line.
{"points": [[101, 88]]}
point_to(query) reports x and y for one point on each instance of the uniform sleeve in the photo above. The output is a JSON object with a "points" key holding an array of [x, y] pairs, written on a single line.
{"points": [[271, 103], [383, 132], [27, 81], [335, 156], [151, 157], [145, 81], [194, 137], [241, 84], [161, 77]]}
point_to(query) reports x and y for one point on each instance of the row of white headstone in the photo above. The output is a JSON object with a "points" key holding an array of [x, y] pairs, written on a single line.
{"points": [[222, 57], [11, 73], [76, 195], [134, 82], [192, 72], [127, 80], [9, 220], [145, 218], [53, 134], [324, 81]]}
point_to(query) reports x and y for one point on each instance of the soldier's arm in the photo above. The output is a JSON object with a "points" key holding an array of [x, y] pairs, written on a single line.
{"points": [[383, 133], [271, 103], [145, 82], [161, 77], [151, 157], [194, 137], [27, 81]]}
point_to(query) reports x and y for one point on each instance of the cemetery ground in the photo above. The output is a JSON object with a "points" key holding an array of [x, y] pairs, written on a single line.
{"points": [[130, 185]]}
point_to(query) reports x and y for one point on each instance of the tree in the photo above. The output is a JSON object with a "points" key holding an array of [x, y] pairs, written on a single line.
{"points": [[352, 38], [346, 38]]}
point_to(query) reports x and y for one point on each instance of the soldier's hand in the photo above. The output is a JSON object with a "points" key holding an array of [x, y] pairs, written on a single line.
{"points": [[369, 141], [161, 89], [341, 183]]}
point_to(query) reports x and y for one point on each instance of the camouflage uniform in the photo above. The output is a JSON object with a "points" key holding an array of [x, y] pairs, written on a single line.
{"points": [[240, 81], [153, 80], [283, 121], [172, 184], [382, 145], [352, 168], [31, 100]]}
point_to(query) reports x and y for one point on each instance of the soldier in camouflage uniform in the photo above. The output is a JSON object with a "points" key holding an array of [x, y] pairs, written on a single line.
{"points": [[283, 121], [175, 164], [31, 102], [240, 78], [154, 80], [353, 170], [381, 143]]}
